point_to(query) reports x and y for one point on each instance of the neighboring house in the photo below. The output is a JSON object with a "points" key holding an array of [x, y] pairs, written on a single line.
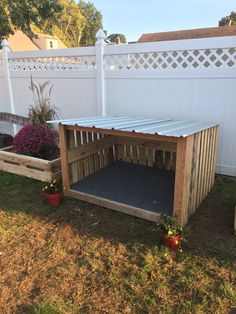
{"points": [[45, 41], [189, 34], [20, 42]]}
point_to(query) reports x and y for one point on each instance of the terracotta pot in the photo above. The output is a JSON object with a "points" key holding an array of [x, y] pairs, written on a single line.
{"points": [[53, 199], [172, 242]]}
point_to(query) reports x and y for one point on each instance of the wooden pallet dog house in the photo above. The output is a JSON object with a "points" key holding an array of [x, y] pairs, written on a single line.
{"points": [[139, 166]]}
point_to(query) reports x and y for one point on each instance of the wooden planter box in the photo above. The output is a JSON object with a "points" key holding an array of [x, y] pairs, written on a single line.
{"points": [[31, 167]]}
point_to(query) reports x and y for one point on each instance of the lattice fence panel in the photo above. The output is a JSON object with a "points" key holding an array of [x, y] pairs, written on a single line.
{"points": [[53, 64], [181, 59]]}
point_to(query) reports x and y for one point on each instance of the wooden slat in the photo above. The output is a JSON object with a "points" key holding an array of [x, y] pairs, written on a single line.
{"points": [[120, 152], [128, 153], [91, 157], [80, 162], [74, 166], [28, 172], [159, 161], [135, 154], [173, 161], [182, 178], [110, 154], [204, 170], [194, 179], [216, 134], [213, 145], [101, 154], [201, 168], [85, 159], [167, 165], [209, 159], [7, 155], [120, 207], [150, 157], [64, 158], [206, 158], [142, 156]]}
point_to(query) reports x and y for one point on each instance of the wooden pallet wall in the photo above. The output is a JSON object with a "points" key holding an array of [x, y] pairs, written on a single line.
{"points": [[147, 153], [203, 168], [87, 153]]}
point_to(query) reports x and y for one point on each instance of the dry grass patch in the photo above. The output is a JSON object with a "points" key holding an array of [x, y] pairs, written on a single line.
{"points": [[111, 263]]}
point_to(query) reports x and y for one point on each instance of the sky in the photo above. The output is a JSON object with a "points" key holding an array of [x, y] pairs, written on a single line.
{"points": [[135, 17]]}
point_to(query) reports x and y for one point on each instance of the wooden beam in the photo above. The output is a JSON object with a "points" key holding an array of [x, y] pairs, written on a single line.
{"points": [[85, 150], [165, 146], [120, 207], [182, 178], [64, 158], [154, 137]]}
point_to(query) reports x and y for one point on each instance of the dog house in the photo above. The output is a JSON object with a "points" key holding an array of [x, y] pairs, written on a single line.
{"points": [[139, 166]]}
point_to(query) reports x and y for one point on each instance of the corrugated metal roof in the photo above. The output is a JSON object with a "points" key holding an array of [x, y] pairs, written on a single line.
{"points": [[166, 127]]}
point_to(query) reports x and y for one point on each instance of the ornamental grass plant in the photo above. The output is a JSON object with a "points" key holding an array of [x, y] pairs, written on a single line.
{"points": [[42, 110]]}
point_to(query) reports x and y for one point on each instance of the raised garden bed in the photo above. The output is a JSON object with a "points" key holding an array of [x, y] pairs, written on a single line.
{"points": [[31, 167]]}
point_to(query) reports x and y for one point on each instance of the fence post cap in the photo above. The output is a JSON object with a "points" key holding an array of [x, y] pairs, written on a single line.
{"points": [[100, 36], [5, 45]]}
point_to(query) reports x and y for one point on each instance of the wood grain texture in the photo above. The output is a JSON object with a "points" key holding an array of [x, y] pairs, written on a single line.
{"points": [[64, 158], [31, 167], [182, 178], [120, 207]]}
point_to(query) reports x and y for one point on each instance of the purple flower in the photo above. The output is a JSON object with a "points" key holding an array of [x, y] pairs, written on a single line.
{"points": [[36, 141]]}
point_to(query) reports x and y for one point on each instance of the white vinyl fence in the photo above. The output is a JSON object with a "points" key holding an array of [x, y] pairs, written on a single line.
{"points": [[185, 80]]}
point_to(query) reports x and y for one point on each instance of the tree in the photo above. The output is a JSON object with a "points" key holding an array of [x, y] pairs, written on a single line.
{"points": [[113, 38], [67, 25], [70, 24], [93, 22], [20, 14], [225, 20]]}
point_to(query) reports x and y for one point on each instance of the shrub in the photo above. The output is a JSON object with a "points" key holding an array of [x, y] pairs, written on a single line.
{"points": [[37, 141]]}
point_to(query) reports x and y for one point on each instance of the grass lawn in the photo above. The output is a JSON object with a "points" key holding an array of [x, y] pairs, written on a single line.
{"points": [[110, 262]]}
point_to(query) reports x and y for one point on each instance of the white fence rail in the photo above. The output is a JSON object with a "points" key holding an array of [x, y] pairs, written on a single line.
{"points": [[185, 79]]}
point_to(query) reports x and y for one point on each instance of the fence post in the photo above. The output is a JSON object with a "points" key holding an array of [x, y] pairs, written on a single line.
{"points": [[100, 43], [5, 50]]}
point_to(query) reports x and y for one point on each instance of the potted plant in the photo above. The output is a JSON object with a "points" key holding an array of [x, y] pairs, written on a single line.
{"points": [[171, 231], [53, 193]]}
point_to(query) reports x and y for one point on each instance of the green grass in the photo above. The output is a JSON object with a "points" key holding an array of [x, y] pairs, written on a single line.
{"points": [[111, 263], [45, 308]]}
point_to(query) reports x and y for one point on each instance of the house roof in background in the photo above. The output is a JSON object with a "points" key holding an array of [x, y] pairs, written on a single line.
{"points": [[47, 36], [19, 42], [189, 34]]}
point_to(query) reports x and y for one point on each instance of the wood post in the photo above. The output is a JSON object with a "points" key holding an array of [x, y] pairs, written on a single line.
{"points": [[182, 178], [64, 158]]}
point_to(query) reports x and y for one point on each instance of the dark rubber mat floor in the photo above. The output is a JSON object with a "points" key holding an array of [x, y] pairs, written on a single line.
{"points": [[144, 187]]}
